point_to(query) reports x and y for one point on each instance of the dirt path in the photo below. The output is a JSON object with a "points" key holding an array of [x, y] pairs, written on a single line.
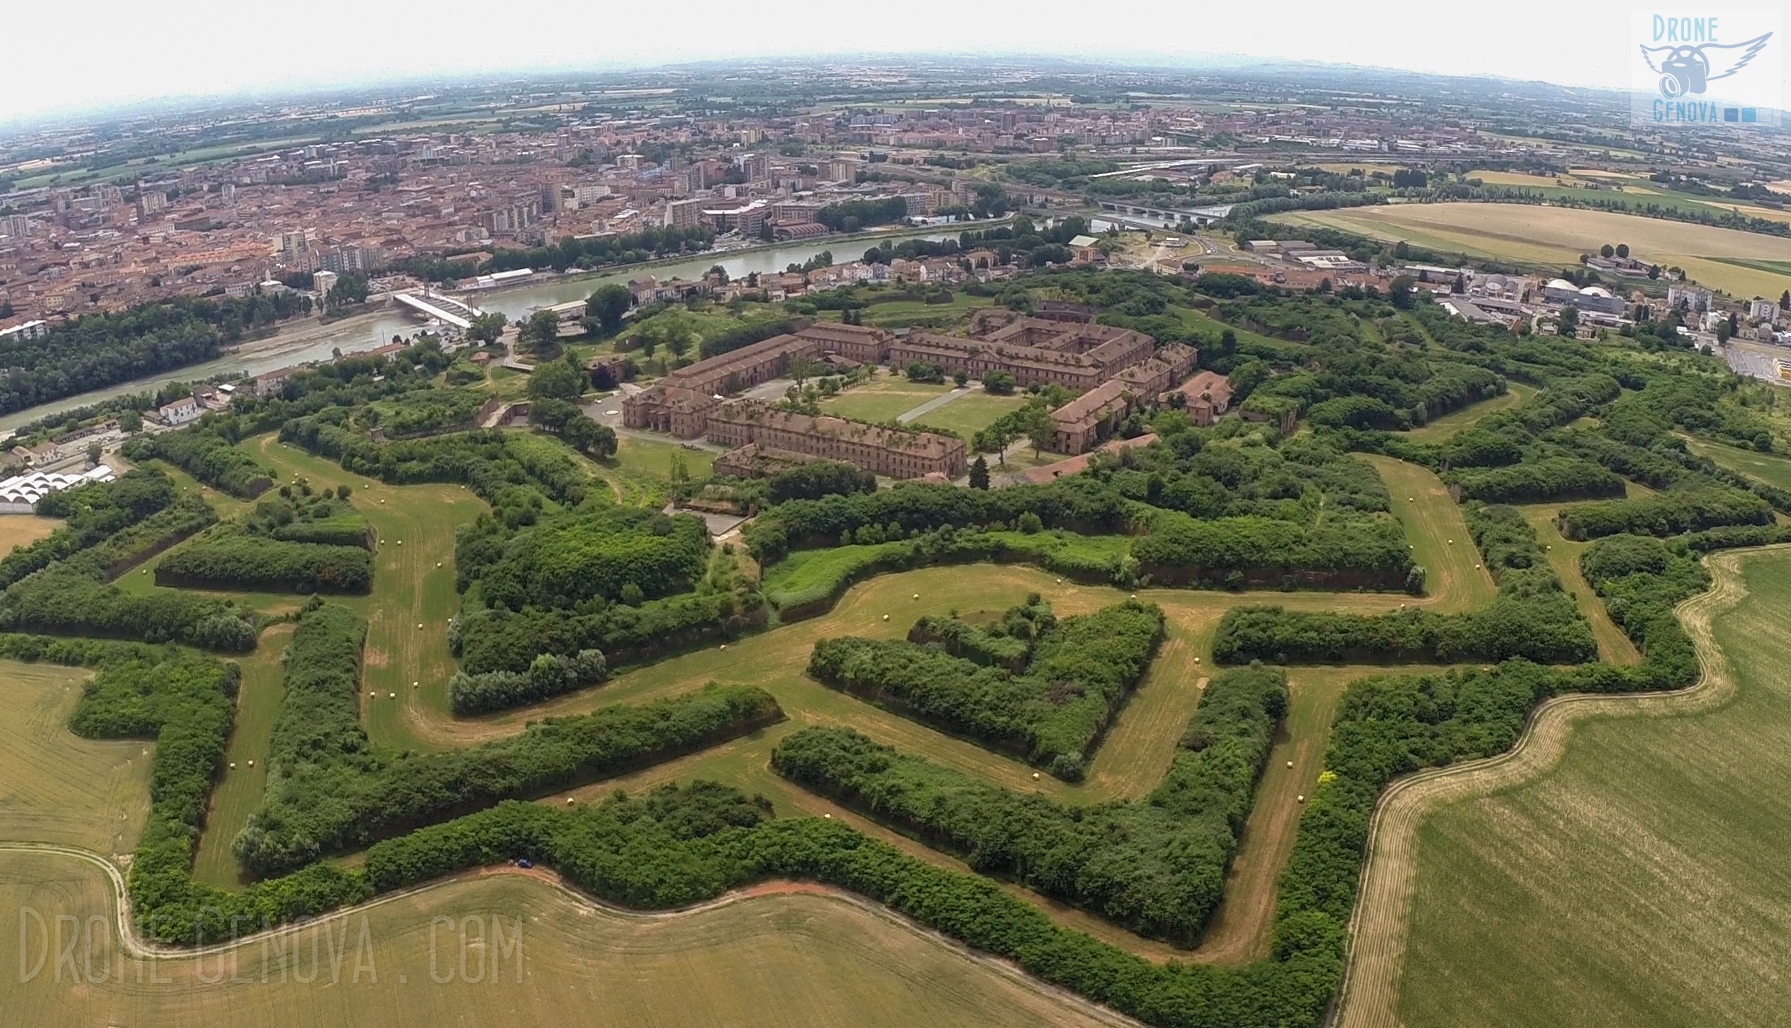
{"points": [[1369, 997]]}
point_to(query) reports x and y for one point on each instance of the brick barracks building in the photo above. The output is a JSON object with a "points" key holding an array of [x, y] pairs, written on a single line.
{"points": [[1117, 369]]}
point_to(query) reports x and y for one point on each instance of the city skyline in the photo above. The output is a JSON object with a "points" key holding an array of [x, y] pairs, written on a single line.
{"points": [[1581, 46]]}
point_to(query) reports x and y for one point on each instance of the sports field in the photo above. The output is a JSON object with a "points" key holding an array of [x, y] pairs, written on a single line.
{"points": [[1630, 855], [1558, 235], [433, 958]]}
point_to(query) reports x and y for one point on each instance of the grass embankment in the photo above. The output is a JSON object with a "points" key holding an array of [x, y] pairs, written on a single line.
{"points": [[795, 960], [1640, 881], [1438, 534]]}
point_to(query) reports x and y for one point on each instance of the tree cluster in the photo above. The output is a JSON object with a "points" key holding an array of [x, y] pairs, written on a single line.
{"points": [[1080, 671]]}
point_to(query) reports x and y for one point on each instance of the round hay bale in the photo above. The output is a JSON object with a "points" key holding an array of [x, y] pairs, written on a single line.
{"points": [[1300, 799]]}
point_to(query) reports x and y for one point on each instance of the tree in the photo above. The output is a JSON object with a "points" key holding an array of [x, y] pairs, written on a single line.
{"points": [[350, 289], [802, 369], [1607, 251], [1039, 429], [487, 327], [716, 272], [1734, 324], [979, 473], [1400, 292], [960, 378], [998, 383], [1623, 250], [94, 453], [130, 422], [540, 335], [1723, 332], [606, 306], [1785, 300], [560, 380], [1568, 323]]}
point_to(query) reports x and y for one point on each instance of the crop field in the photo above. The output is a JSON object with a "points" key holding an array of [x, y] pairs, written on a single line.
{"points": [[1618, 885], [55, 787], [1558, 235], [796, 959], [1454, 421], [24, 529], [882, 398]]}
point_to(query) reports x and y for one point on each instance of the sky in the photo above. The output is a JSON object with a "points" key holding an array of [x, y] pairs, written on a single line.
{"points": [[110, 52]]}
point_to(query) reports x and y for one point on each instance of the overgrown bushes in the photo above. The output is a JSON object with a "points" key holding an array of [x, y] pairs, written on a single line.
{"points": [[547, 676], [207, 454], [1081, 669], [93, 514], [231, 559], [329, 789], [1156, 866], [1262, 551], [599, 553], [1667, 513], [1537, 481]]}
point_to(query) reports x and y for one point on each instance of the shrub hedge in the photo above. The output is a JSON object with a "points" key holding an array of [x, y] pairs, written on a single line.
{"points": [[236, 560], [1081, 670], [1667, 513], [1156, 866]]}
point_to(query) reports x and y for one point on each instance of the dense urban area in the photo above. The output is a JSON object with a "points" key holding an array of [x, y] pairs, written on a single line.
{"points": [[984, 542]]}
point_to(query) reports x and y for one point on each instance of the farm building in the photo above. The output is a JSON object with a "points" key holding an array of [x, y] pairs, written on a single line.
{"points": [[20, 493]]}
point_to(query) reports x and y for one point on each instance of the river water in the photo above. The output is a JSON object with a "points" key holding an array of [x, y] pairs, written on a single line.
{"points": [[303, 341]]}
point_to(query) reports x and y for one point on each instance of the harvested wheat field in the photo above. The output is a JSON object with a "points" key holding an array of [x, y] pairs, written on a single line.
{"points": [[1558, 235], [789, 957], [1626, 856]]}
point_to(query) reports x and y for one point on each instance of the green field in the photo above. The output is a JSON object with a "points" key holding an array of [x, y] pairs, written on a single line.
{"points": [[1628, 881], [969, 414], [641, 471], [882, 398], [1773, 470], [238, 793]]}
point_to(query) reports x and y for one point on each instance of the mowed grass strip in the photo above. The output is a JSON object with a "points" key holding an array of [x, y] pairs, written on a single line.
{"points": [[787, 958], [238, 794], [1640, 882], [1769, 468], [969, 414], [882, 398], [1454, 421], [56, 787], [1564, 556], [1438, 535]]}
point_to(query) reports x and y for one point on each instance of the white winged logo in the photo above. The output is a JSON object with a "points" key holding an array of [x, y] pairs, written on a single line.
{"points": [[1689, 69]]}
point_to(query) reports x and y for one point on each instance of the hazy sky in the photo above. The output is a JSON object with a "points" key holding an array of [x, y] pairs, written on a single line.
{"points": [[95, 54]]}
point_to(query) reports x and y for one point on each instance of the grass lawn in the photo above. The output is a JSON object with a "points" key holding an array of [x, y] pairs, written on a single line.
{"points": [[794, 960], [1639, 882], [1769, 468], [969, 414], [56, 787], [640, 473], [1454, 421], [882, 398]]}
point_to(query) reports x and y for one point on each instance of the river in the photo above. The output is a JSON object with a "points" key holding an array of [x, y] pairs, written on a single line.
{"points": [[304, 341]]}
